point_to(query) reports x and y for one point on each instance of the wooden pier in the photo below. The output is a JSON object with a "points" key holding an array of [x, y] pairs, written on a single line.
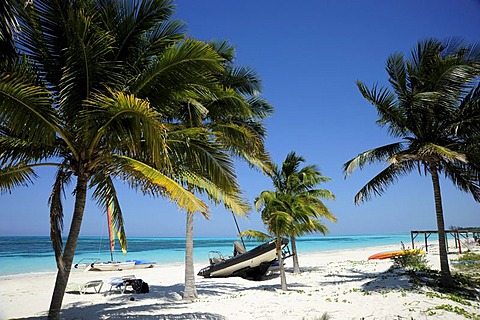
{"points": [[457, 234]]}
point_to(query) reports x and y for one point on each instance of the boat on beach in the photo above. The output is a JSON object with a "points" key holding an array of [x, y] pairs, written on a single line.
{"points": [[394, 253], [119, 266], [98, 265], [112, 265], [252, 265]]}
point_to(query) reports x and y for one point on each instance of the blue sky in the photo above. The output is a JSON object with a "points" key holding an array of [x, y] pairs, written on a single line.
{"points": [[309, 54]]}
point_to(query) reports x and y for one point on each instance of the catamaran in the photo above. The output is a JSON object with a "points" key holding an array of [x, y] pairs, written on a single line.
{"points": [[112, 265]]}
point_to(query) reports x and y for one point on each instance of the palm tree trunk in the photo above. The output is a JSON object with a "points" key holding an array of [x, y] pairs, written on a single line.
{"points": [[63, 272], [190, 292], [296, 266], [278, 245], [445, 277]]}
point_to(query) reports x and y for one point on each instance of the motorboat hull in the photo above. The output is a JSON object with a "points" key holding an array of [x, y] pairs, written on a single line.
{"points": [[251, 265]]}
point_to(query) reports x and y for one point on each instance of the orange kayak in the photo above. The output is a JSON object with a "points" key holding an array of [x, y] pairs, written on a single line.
{"points": [[394, 253]]}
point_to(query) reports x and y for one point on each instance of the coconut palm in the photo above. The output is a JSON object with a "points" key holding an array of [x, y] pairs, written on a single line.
{"points": [[85, 100], [301, 182], [274, 209], [293, 208], [425, 109], [209, 172], [232, 116]]}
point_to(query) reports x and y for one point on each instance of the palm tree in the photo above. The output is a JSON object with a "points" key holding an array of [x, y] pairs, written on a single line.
{"points": [[233, 118], [425, 109], [274, 209], [84, 100], [293, 208], [292, 180], [209, 172]]}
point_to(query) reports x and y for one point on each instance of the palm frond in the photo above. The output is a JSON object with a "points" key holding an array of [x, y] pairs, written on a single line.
{"points": [[309, 227], [261, 109], [149, 180], [378, 184], [123, 121], [263, 199], [387, 108], [466, 119], [278, 221], [56, 213], [19, 174], [243, 142], [8, 27], [434, 150], [85, 68], [136, 20], [224, 49], [181, 67], [16, 150], [464, 176], [316, 208], [231, 201], [257, 235], [229, 105], [43, 37], [243, 80], [194, 150], [397, 70], [26, 109], [106, 196], [321, 193], [379, 154]]}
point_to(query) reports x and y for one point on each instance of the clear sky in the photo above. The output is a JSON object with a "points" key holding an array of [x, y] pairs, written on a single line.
{"points": [[309, 54]]}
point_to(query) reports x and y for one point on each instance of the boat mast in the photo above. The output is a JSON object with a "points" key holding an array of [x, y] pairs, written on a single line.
{"points": [[238, 229]]}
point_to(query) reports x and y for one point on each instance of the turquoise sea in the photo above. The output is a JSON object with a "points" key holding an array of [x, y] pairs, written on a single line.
{"points": [[35, 254]]}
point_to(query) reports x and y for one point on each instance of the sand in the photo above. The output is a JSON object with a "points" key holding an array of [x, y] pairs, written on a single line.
{"points": [[342, 283]]}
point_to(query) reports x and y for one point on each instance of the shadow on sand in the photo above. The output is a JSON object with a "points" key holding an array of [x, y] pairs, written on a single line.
{"points": [[149, 305], [140, 306]]}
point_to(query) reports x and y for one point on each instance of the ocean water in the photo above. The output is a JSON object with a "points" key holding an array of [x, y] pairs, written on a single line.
{"points": [[35, 254]]}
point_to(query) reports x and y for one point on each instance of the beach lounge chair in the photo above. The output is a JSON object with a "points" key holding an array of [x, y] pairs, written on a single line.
{"points": [[120, 283], [94, 285]]}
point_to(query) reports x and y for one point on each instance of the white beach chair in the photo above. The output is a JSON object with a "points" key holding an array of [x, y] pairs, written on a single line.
{"points": [[120, 283], [95, 285]]}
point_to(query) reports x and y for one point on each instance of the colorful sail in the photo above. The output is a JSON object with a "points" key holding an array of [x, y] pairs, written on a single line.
{"points": [[111, 231]]}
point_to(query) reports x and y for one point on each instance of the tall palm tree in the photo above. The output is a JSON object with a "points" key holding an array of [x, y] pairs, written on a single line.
{"points": [[85, 100], [425, 109], [301, 183], [232, 116]]}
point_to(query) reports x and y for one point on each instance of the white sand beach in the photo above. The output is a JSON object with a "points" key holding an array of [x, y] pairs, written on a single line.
{"points": [[342, 283]]}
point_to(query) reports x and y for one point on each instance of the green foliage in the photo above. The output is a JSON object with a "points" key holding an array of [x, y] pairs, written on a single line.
{"points": [[469, 265], [454, 309], [431, 107], [469, 257], [413, 260], [113, 90]]}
